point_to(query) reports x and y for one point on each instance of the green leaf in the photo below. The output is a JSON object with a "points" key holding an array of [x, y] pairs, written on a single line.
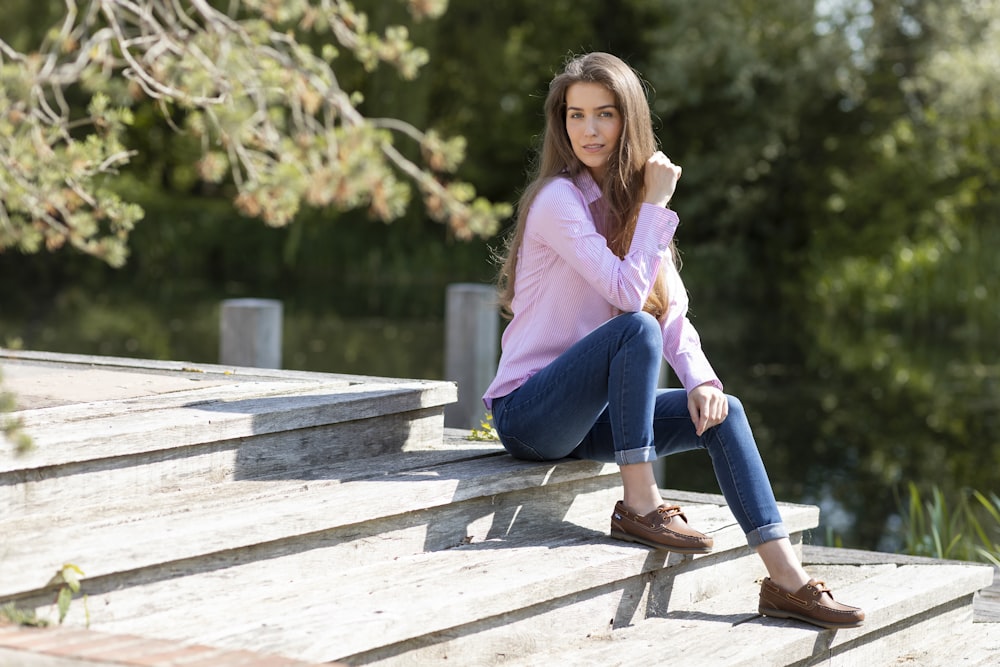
{"points": [[63, 601]]}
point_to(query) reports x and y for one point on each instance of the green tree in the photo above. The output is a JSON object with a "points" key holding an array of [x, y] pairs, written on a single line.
{"points": [[839, 211], [749, 96], [268, 111], [901, 267]]}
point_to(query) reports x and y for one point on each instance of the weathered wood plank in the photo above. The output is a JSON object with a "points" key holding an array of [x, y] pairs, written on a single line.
{"points": [[72, 647], [198, 391], [957, 642], [988, 601], [16, 658], [179, 389], [307, 453], [62, 385], [894, 645], [569, 559], [576, 510], [726, 631], [700, 633], [212, 421], [394, 601], [36, 387], [239, 514], [527, 634], [142, 365], [821, 555]]}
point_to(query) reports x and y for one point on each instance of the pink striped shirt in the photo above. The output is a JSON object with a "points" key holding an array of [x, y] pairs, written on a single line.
{"points": [[569, 283]]}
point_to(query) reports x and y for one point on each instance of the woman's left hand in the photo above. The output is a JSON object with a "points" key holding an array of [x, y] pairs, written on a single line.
{"points": [[708, 407]]}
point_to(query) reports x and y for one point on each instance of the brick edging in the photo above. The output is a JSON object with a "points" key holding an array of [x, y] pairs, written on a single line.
{"points": [[132, 650]]}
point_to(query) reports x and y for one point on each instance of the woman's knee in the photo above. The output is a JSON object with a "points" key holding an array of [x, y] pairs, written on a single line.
{"points": [[735, 431], [641, 319], [644, 327], [736, 419], [735, 407]]}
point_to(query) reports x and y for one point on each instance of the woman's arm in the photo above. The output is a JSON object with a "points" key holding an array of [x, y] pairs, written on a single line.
{"points": [[681, 342], [561, 219], [707, 405]]}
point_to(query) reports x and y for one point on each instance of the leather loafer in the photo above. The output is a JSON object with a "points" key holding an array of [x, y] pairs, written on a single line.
{"points": [[664, 528], [813, 603]]}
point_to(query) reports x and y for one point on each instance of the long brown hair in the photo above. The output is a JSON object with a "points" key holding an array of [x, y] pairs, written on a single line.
{"points": [[622, 186]]}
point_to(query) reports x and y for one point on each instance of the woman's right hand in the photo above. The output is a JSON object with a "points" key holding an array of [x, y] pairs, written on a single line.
{"points": [[661, 176]]}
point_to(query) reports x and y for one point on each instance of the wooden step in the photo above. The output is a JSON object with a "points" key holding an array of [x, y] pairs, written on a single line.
{"points": [[598, 611], [308, 605], [586, 637], [380, 508], [904, 604], [321, 517], [74, 647], [962, 643], [988, 602], [177, 426]]}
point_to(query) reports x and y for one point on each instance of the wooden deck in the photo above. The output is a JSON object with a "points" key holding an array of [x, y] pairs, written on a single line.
{"points": [[988, 601], [311, 517]]}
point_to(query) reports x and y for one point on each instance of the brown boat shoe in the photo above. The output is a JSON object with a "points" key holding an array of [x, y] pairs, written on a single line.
{"points": [[664, 528], [813, 603]]}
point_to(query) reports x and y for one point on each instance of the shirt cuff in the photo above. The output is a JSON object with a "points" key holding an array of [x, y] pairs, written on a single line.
{"points": [[654, 229], [696, 371]]}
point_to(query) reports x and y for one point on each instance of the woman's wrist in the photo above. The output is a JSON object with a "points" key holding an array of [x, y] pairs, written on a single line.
{"points": [[661, 201]]}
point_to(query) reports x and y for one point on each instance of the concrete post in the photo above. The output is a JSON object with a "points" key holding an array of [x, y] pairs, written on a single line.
{"points": [[250, 333], [660, 464], [472, 334]]}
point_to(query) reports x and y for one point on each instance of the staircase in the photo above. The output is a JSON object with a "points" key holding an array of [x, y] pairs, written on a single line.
{"points": [[315, 518]]}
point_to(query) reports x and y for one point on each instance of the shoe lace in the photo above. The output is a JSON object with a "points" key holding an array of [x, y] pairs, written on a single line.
{"points": [[671, 510], [820, 587]]}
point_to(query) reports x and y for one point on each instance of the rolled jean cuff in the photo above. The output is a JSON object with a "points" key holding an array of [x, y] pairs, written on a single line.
{"points": [[626, 457], [772, 531]]}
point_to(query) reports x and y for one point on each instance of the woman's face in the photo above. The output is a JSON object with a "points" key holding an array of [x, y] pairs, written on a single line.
{"points": [[594, 125]]}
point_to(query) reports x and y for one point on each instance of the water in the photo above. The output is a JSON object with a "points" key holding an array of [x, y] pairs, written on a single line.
{"points": [[314, 341]]}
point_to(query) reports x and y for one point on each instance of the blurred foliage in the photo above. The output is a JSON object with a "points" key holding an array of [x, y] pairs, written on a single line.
{"points": [[901, 274], [12, 428], [964, 529], [11, 613], [267, 113], [839, 213]]}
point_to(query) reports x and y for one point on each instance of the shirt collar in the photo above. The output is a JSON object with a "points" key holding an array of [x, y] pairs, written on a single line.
{"points": [[591, 190], [588, 186]]}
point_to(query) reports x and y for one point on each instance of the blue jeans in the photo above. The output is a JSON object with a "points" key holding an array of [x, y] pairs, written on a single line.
{"points": [[599, 400]]}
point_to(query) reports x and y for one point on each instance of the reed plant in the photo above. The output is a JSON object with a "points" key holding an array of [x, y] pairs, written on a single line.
{"points": [[964, 527]]}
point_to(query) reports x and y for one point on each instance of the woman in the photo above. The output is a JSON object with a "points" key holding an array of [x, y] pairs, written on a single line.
{"points": [[592, 289]]}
